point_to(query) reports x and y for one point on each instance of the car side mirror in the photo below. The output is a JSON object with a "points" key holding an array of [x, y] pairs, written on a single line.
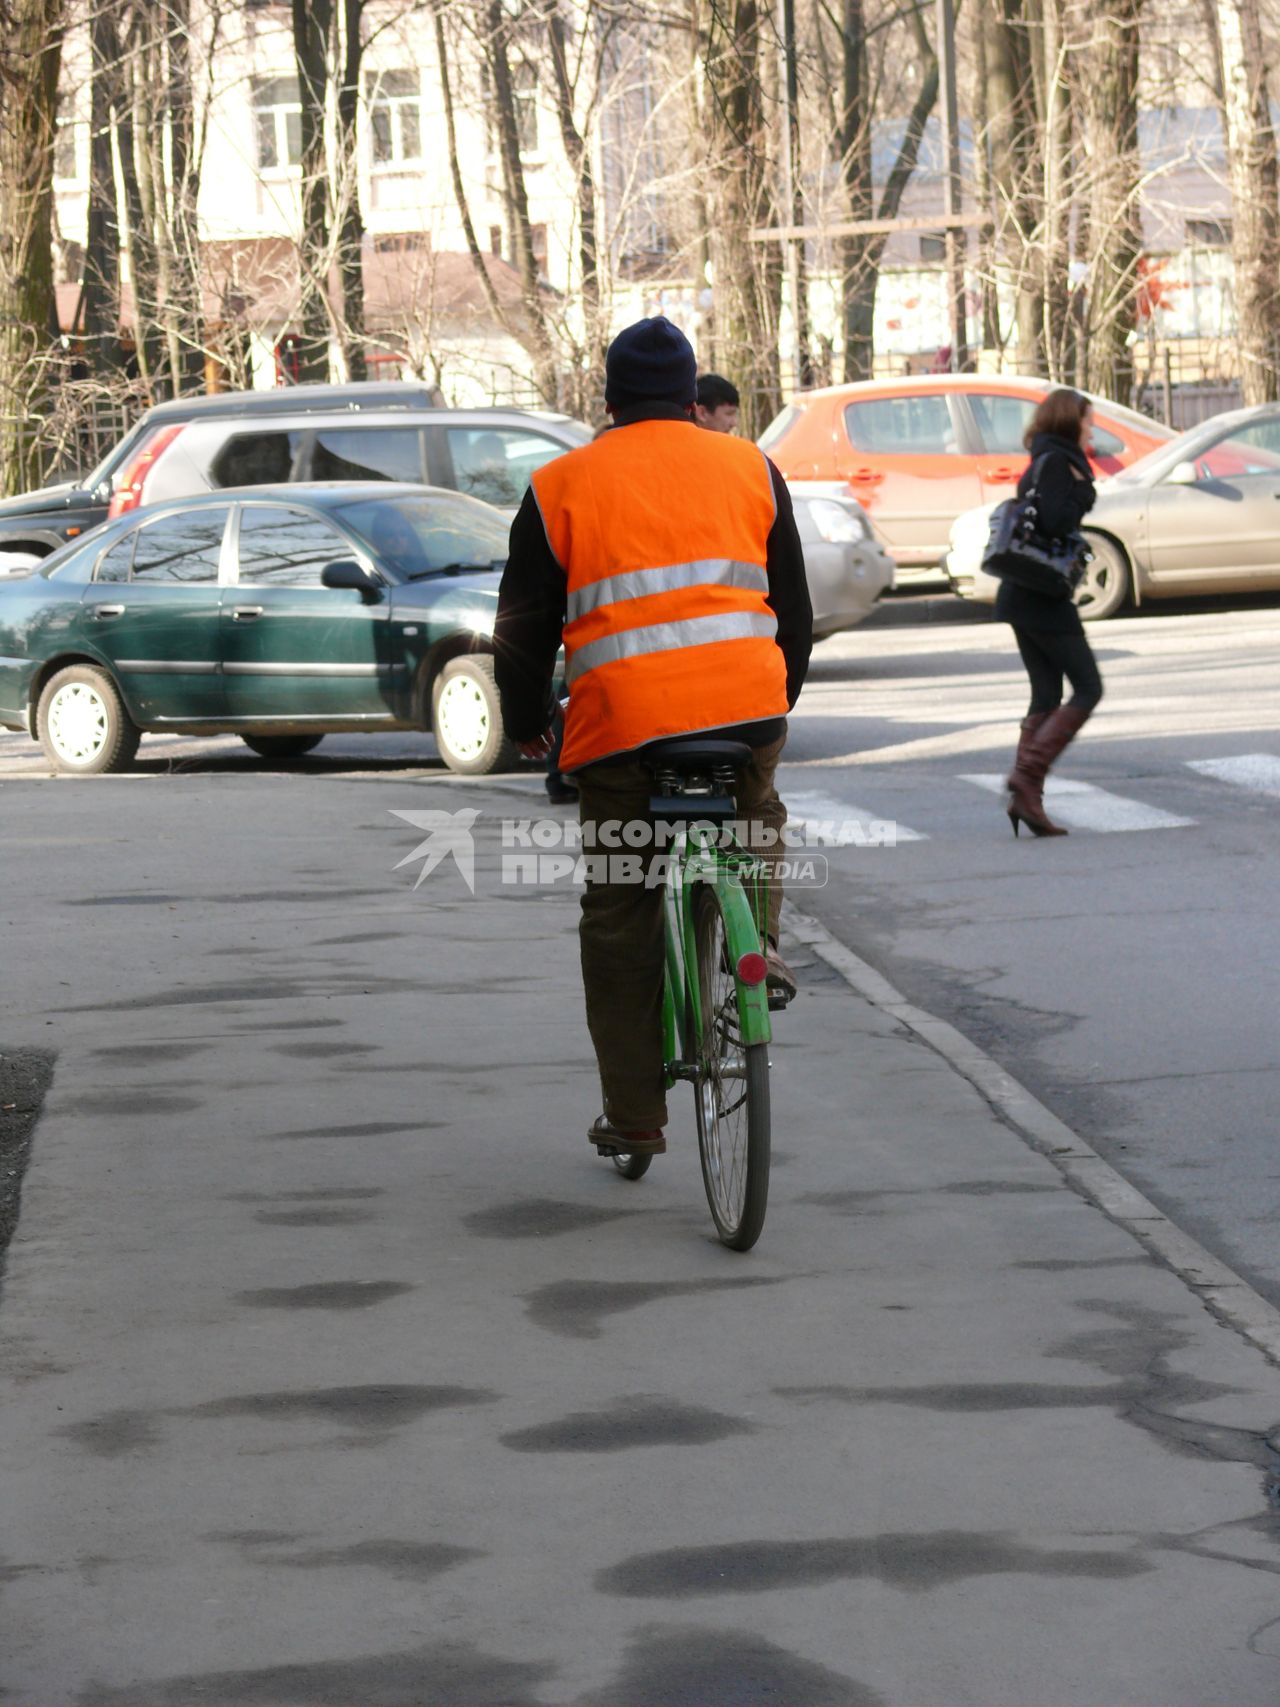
{"points": [[348, 574], [1182, 474]]}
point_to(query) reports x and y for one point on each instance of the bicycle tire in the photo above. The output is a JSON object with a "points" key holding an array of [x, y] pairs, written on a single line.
{"points": [[632, 1167], [732, 1112]]}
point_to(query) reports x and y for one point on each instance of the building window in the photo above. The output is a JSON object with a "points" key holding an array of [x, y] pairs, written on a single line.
{"points": [[1209, 233], [395, 116], [495, 240], [277, 122], [524, 86], [402, 243], [538, 242], [933, 247]]}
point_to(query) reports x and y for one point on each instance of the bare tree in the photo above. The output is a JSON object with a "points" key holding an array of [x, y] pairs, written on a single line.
{"points": [[29, 59], [1251, 153]]}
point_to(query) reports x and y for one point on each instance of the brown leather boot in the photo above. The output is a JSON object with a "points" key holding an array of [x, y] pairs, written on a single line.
{"points": [[1035, 755], [1027, 728]]}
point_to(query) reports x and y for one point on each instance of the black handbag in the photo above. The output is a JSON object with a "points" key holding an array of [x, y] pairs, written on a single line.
{"points": [[1015, 552]]}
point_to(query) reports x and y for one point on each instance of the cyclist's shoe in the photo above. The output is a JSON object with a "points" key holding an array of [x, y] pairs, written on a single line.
{"points": [[610, 1140], [780, 980]]}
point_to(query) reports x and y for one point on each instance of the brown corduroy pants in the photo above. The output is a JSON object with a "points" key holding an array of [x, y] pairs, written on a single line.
{"points": [[621, 934]]}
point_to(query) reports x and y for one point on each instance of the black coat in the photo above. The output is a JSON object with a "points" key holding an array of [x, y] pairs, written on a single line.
{"points": [[1064, 496]]}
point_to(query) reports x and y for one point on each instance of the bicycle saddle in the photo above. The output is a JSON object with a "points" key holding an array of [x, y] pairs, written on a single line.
{"points": [[690, 754]]}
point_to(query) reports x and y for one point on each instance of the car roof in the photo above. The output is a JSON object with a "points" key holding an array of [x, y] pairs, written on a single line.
{"points": [[322, 492], [300, 399], [1016, 384]]}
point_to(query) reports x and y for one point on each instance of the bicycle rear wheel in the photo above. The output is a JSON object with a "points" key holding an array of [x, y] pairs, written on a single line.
{"points": [[732, 1090]]}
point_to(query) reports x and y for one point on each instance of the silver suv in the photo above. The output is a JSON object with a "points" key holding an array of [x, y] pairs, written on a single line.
{"points": [[486, 453]]}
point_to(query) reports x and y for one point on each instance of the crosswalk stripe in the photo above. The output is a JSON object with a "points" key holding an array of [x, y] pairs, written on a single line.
{"points": [[842, 825], [1259, 772], [1082, 806]]}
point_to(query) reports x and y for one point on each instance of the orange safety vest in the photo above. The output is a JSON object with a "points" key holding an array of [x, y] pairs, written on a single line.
{"points": [[662, 531]]}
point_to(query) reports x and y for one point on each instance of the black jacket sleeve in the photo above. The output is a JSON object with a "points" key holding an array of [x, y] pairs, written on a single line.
{"points": [[528, 628], [788, 595]]}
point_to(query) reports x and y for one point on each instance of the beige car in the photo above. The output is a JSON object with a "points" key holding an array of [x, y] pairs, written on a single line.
{"points": [[1199, 515]]}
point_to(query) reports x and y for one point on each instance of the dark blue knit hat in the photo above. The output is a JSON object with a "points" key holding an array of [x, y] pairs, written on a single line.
{"points": [[650, 362]]}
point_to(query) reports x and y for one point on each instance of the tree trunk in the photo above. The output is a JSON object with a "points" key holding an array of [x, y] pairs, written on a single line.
{"points": [[312, 32], [857, 258], [499, 314], [29, 62], [862, 255], [136, 133], [579, 157], [1015, 132], [347, 214], [100, 281], [746, 282], [1108, 61], [1058, 331], [497, 31], [1251, 151], [992, 336], [183, 222]]}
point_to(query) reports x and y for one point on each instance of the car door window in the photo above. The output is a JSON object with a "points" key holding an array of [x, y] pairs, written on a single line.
{"points": [[281, 547], [117, 559], [367, 453], [1002, 420], [896, 426], [497, 464], [186, 547], [1254, 449], [256, 459]]}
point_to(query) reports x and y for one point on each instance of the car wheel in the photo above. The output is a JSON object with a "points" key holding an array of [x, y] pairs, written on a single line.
{"points": [[466, 718], [83, 725], [1106, 581], [282, 746]]}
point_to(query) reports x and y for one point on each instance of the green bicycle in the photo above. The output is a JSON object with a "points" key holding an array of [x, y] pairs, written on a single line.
{"points": [[715, 1004]]}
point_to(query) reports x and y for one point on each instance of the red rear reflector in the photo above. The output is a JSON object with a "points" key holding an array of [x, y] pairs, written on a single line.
{"points": [[128, 494], [753, 968]]}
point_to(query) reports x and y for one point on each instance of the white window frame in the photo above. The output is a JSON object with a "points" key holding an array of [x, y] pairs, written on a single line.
{"points": [[381, 93]]}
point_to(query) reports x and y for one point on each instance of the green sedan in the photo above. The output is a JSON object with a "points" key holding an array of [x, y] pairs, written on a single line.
{"points": [[280, 614]]}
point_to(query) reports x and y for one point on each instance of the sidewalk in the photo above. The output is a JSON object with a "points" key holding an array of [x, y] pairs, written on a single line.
{"points": [[339, 1372]]}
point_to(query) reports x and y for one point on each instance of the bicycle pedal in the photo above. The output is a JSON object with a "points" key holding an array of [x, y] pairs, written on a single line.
{"points": [[609, 1150], [778, 999]]}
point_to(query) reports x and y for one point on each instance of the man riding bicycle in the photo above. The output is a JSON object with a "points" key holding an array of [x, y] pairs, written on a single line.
{"points": [[668, 561]]}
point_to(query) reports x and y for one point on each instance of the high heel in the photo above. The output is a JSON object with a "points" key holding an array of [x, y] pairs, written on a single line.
{"points": [[1043, 740]]}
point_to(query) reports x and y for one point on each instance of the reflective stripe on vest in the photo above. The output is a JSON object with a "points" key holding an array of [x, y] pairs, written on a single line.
{"points": [[642, 583], [667, 637]]}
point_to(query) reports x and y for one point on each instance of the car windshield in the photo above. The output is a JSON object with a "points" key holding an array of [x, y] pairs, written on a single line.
{"points": [[779, 427], [1207, 443], [414, 536]]}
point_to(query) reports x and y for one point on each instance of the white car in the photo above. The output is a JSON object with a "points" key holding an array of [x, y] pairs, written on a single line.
{"points": [[846, 566]]}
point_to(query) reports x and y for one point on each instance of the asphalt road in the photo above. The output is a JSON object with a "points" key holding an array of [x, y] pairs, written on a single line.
{"points": [[1127, 974], [336, 1369]]}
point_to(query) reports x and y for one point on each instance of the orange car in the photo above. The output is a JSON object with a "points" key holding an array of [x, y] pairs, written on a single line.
{"points": [[917, 452]]}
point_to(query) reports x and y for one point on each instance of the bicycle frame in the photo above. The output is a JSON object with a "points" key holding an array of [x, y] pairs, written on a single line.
{"points": [[696, 859]]}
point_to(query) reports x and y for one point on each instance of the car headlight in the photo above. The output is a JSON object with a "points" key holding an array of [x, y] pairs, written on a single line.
{"points": [[837, 522]]}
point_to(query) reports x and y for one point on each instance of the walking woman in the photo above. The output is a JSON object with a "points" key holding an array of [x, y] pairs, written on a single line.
{"points": [[1048, 630]]}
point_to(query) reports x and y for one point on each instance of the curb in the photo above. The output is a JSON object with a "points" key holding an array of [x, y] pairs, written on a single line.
{"points": [[1229, 1298]]}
